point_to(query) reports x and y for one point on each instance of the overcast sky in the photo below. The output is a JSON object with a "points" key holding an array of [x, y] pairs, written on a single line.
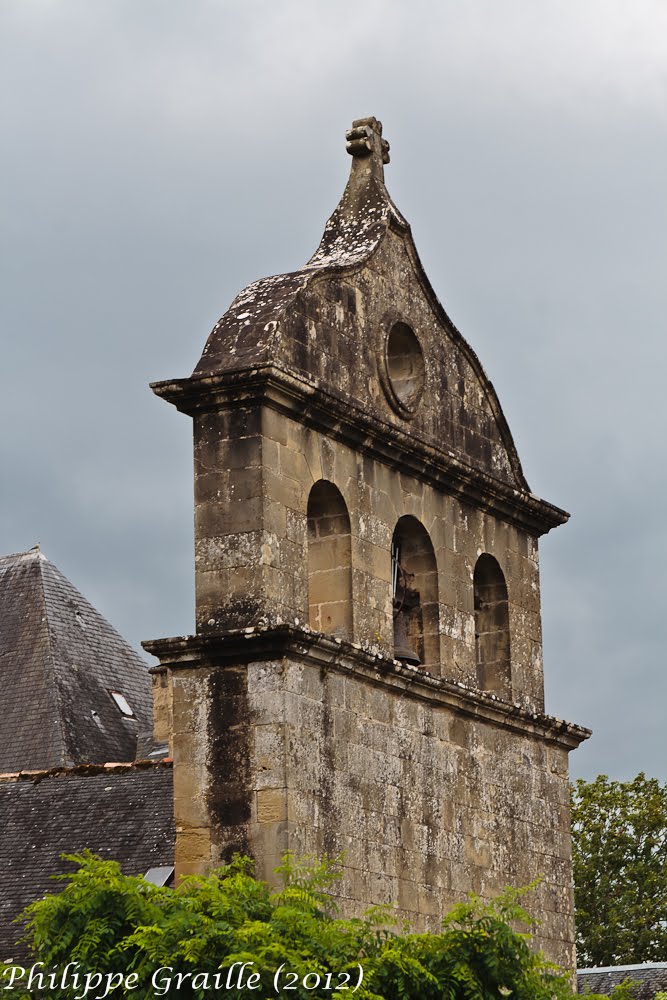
{"points": [[156, 156]]}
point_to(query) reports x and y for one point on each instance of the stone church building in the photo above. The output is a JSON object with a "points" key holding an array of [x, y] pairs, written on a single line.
{"points": [[366, 674]]}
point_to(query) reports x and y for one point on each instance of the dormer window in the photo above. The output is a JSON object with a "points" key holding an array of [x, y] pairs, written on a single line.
{"points": [[123, 704]]}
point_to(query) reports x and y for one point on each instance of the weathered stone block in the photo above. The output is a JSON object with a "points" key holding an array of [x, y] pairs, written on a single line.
{"points": [[271, 805]]}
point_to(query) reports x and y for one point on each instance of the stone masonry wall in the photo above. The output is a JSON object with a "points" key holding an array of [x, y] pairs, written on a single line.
{"points": [[427, 804], [254, 471]]}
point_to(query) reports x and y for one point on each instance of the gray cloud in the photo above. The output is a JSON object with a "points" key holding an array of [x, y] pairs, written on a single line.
{"points": [[158, 156]]}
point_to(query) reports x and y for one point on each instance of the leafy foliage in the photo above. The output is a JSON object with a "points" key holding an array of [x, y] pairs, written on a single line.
{"points": [[107, 922], [627, 990], [620, 870]]}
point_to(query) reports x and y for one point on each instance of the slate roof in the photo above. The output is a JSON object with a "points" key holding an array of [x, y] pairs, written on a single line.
{"points": [[122, 812], [649, 979], [59, 661]]}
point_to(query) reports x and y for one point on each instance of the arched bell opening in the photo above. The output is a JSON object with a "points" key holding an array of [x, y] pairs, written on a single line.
{"points": [[414, 577], [329, 561], [492, 630]]}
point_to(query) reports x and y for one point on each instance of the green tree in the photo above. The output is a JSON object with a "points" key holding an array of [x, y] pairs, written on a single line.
{"points": [[110, 924], [619, 845]]}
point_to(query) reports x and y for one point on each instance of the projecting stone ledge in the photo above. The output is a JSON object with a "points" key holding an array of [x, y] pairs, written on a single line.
{"points": [[258, 644]]}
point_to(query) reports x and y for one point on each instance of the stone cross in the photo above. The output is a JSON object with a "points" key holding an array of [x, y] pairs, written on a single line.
{"points": [[365, 139]]}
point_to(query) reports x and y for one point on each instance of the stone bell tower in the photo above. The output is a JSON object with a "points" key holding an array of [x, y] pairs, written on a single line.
{"points": [[366, 673]]}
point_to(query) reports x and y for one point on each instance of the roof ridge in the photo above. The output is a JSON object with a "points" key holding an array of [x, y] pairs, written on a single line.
{"points": [[83, 600], [58, 589], [50, 660], [596, 969], [85, 770], [33, 553]]}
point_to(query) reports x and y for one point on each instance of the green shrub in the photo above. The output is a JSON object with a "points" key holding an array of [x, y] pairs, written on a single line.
{"points": [[111, 925]]}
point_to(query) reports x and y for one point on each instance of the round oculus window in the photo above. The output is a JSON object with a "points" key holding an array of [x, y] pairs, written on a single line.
{"points": [[404, 369]]}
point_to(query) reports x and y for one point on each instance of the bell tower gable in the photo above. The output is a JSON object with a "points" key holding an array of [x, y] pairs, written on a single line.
{"points": [[366, 674], [361, 322]]}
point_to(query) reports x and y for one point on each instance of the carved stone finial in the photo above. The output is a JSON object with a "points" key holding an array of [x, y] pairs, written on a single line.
{"points": [[365, 139]]}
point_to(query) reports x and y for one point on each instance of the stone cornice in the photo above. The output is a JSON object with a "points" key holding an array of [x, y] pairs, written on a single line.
{"points": [[338, 417], [243, 646]]}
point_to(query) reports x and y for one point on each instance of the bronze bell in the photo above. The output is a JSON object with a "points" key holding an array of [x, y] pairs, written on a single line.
{"points": [[402, 649]]}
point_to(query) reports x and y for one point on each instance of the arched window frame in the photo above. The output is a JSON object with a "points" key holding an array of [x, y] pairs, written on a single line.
{"points": [[492, 630], [329, 561], [415, 600]]}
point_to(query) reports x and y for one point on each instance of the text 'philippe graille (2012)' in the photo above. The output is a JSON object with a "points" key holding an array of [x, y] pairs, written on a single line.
{"points": [[90, 985]]}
